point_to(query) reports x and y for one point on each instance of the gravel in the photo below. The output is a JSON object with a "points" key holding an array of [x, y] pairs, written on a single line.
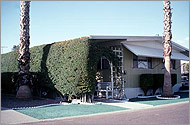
{"points": [[10, 101]]}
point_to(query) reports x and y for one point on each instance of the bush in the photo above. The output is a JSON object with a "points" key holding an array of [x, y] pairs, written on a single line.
{"points": [[154, 81], [158, 81], [7, 83], [184, 87], [146, 82], [174, 79], [69, 66]]}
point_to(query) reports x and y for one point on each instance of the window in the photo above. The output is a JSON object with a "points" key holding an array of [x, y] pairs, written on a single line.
{"points": [[103, 64], [173, 64], [150, 63], [142, 62]]}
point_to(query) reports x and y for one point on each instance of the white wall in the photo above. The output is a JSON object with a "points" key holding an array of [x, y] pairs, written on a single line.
{"points": [[134, 92], [183, 70]]}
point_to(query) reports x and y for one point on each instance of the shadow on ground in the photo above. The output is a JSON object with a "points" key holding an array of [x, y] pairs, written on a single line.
{"points": [[9, 101]]}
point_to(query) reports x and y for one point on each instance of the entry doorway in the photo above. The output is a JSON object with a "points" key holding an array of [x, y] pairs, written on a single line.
{"points": [[104, 87]]}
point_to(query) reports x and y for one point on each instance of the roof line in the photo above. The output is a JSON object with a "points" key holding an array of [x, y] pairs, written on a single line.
{"points": [[179, 46], [136, 38]]}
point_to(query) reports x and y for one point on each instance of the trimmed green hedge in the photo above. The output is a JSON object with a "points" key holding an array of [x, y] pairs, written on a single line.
{"points": [[68, 66], [154, 81], [146, 82], [7, 83]]}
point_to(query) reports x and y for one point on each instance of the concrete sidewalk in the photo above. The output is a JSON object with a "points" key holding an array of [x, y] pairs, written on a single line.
{"points": [[130, 105], [124, 104], [9, 116]]}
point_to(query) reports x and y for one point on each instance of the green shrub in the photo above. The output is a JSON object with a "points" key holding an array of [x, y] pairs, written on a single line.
{"points": [[146, 82], [174, 79], [69, 66], [154, 81], [7, 83], [158, 81]]}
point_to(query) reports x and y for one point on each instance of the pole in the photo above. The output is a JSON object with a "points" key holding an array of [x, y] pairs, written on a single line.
{"points": [[111, 65]]}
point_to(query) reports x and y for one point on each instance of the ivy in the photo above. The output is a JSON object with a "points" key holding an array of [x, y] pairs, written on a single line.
{"points": [[69, 67]]}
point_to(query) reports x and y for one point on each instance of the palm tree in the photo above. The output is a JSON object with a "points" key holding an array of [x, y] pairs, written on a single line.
{"points": [[24, 79], [167, 87]]}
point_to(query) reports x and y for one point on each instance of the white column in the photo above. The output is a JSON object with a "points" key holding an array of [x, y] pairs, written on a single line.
{"points": [[106, 92], [111, 77], [123, 83]]}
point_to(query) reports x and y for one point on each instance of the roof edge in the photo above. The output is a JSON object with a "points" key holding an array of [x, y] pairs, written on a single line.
{"points": [[141, 38], [124, 37]]}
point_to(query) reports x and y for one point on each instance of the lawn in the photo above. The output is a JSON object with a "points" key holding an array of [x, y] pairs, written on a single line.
{"points": [[60, 111], [154, 101], [69, 110]]}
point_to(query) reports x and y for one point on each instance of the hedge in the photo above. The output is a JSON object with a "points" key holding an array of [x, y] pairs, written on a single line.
{"points": [[154, 81], [68, 67], [7, 83], [146, 82]]}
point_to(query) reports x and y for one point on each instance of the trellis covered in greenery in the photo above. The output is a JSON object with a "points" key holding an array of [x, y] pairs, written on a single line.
{"points": [[68, 66]]}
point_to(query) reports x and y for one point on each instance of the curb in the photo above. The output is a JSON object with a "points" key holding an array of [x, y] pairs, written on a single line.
{"points": [[168, 98], [37, 106], [176, 103]]}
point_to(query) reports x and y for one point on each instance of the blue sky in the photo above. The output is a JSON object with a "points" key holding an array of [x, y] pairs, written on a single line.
{"points": [[52, 21]]}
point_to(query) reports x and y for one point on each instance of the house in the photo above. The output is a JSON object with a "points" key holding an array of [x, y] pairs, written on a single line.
{"points": [[183, 67], [138, 55]]}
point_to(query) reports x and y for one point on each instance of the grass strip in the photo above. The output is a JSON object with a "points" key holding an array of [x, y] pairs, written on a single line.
{"points": [[154, 101], [68, 110]]}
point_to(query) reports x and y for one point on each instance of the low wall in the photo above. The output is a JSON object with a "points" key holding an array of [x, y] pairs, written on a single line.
{"points": [[134, 92]]}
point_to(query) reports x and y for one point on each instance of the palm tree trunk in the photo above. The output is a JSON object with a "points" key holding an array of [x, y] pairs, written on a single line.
{"points": [[24, 79], [167, 88]]}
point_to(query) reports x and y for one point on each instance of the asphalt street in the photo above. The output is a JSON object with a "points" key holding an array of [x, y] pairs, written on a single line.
{"points": [[175, 114]]}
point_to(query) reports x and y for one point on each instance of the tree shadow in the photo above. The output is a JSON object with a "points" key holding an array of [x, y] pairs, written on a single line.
{"points": [[142, 99], [46, 50], [44, 86]]}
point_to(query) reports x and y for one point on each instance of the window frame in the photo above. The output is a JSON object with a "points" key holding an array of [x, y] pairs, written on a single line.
{"points": [[103, 64], [137, 59]]}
